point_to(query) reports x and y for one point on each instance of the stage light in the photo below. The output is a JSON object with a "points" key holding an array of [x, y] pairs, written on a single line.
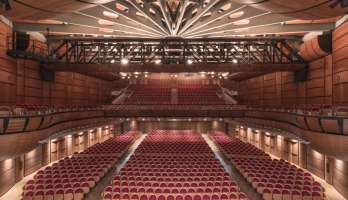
{"points": [[189, 61], [157, 61], [235, 61], [112, 61], [124, 61]]}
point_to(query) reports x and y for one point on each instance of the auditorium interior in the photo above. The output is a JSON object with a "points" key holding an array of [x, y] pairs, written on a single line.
{"points": [[173, 99]]}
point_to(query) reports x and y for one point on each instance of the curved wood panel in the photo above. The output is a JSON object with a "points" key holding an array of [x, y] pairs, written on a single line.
{"points": [[330, 126], [33, 123], [12, 145], [15, 125], [318, 47], [324, 143], [345, 126], [301, 9], [313, 124], [40, 9], [302, 122]]}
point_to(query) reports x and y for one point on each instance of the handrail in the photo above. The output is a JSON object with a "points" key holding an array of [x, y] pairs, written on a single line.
{"points": [[35, 47]]}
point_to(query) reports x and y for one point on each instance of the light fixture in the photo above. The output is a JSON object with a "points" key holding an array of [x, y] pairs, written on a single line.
{"points": [[171, 75], [202, 75], [176, 75], [143, 119], [189, 61], [136, 76], [157, 61], [145, 75], [112, 61], [124, 61], [235, 61], [220, 77], [128, 77]]}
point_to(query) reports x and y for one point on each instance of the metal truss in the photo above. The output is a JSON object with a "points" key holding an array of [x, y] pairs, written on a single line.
{"points": [[176, 51]]}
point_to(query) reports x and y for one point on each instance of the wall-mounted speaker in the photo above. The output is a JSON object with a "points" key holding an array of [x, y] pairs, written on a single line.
{"points": [[47, 75], [22, 41], [301, 75]]}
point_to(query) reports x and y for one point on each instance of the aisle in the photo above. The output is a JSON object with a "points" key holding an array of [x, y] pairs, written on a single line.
{"points": [[96, 192], [244, 185]]}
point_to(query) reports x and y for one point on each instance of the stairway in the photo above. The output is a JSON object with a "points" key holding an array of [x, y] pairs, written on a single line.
{"points": [[174, 96]]}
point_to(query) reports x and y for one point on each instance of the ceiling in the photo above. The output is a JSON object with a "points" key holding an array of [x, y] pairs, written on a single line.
{"points": [[158, 19], [174, 18]]}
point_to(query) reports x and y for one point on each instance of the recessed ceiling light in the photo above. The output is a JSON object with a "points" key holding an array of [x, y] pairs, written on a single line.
{"points": [[124, 61]]}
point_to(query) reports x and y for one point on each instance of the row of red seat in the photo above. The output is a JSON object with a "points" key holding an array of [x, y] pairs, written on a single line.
{"points": [[72, 177], [143, 94], [275, 179], [199, 94], [173, 165]]}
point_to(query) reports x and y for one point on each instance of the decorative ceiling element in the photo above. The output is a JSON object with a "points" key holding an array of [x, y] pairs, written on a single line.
{"points": [[174, 18]]}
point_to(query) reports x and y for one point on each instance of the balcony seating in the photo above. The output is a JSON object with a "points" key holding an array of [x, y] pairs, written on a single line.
{"points": [[149, 94], [167, 165], [72, 177], [273, 178], [199, 94]]}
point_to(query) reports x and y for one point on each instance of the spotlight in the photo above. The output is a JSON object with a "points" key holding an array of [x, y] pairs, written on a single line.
{"points": [[145, 75], [124, 61], [189, 61], [235, 61], [171, 75], [176, 75], [157, 61], [136, 76], [112, 61]]}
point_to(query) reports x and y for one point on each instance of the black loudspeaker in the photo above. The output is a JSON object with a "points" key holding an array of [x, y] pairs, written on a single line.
{"points": [[47, 75], [301, 75], [22, 41]]}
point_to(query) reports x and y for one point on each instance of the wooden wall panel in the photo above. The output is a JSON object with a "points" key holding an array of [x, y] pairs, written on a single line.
{"points": [[33, 160], [315, 162], [7, 175], [340, 65], [340, 177]]}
